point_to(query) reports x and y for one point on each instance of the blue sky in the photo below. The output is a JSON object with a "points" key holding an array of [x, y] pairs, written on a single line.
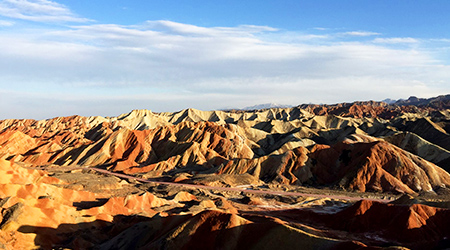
{"points": [[61, 58]]}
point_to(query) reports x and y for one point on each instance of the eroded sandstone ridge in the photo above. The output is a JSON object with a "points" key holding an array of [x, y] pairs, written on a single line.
{"points": [[346, 176]]}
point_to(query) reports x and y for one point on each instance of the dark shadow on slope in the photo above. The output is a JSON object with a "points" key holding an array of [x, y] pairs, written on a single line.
{"points": [[426, 129], [87, 235], [89, 204], [218, 230]]}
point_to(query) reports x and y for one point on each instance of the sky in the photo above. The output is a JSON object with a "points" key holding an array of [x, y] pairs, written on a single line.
{"points": [[98, 57]]}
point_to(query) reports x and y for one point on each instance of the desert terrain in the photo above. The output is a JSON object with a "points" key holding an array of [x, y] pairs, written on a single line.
{"points": [[343, 176]]}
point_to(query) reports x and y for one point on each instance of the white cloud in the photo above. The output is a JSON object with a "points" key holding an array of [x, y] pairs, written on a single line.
{"points": [[107, 69], [38, 10], [395, 40], [4, 23], [189, 29], [360, 33], [445, 40]]}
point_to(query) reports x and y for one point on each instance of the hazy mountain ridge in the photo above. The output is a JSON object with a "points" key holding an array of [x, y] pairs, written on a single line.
{"points": [[441, 102], [266, 106]]}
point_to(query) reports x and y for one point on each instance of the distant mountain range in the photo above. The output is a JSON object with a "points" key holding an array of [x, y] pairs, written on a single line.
{"points": [[441, 102], [266, 106]]}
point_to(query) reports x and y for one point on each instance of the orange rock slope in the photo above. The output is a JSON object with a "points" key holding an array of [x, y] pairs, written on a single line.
{"points": [[31, 199]]}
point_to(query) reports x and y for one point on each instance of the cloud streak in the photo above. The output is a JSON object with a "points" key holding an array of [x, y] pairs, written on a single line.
{"points": [[38, 10], [4, 23], [360, 33], [396, 40]]}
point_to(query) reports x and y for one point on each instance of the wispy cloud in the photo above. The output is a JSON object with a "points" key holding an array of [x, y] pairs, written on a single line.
{"points": [[4, 23], [38, 10], [320, 28], [193, 30], [395, 40], [360, 33]]}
